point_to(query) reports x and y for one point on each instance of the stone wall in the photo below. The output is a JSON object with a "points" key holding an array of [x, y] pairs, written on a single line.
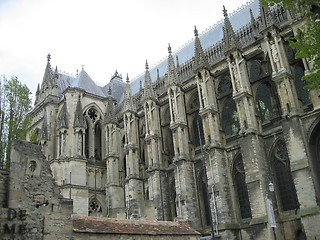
{"points": [[4, 181], [35, 205]]}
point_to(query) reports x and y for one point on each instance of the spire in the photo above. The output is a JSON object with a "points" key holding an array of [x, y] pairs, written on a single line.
{"points": [[172, 71], [63, 117], [38, 89], [231, 41], [148, 89], [253, 21], [253, 24], [128, 102], [200, 60], [110, 116], [48, 75], [79, 120]]}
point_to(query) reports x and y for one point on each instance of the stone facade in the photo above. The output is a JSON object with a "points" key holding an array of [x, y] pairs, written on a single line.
{"points": [[223, 135]]}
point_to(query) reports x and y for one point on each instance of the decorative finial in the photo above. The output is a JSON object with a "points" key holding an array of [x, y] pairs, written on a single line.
{"points": [[158, 74], [225, 13], [127, 78], [82, 67], [77, 72], [177, 58], [195, 31], [147, 66], [49, 57], [169, 49]]}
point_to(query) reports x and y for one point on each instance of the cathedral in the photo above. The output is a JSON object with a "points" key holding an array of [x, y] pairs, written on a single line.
{"points": [[222, 134]]}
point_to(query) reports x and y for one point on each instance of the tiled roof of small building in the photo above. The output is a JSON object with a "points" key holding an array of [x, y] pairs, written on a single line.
{"points": [[136, 227]]}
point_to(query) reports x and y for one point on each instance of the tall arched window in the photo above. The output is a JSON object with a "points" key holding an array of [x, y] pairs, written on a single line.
{"points": [[298, 73], [205, 197], [97, 142], [230, 122], [86, 142], [266, 105], [241, 189], [198, 131], [285, 188]]}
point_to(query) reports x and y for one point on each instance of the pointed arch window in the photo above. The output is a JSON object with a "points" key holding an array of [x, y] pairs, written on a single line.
{"points": [[266, 105], [285, 188], [198, 131], [95, 208], [97, 142], [205, 196], [87, 141], [225, 86], [241, 189], [230, 120], [303, 94]]}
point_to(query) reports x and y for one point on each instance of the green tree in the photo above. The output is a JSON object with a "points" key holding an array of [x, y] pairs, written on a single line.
{"points": [[307, 40], [15, 106]]}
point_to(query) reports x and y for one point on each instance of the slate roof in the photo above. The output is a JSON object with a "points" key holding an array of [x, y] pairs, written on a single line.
{"points": [[134, 227], [84, 81]]}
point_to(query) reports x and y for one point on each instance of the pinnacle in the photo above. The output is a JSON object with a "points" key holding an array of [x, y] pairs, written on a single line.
{"points": [[196, 31]]}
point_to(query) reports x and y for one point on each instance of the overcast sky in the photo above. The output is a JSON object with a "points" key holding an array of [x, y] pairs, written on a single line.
{"points": [[102, 35]]}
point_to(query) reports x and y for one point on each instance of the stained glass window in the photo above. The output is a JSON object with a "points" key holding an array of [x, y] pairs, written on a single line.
{"points": [[303, 95], [264, 106], [198, 131], [230, 122], [224, 85]]}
